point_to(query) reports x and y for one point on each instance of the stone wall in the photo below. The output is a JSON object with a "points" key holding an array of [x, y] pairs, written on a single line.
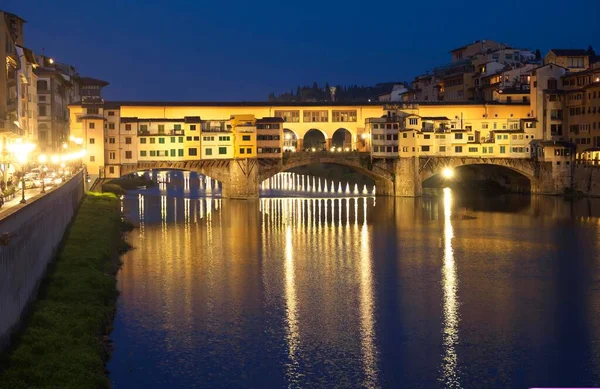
{"points": [[31, 233], [586, 179]]}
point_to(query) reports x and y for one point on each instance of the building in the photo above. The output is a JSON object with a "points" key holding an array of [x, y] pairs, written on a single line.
{"points": [[384, 136], [574, 60], [244, 136], [269, 138], [11, 79], [27, 111]]}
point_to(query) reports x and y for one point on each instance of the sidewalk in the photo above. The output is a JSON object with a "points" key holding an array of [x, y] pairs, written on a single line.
{"points": [[28, 194]]}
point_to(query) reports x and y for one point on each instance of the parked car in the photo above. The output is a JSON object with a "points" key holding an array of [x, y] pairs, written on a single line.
{"points": [[29, 183], [32, 175]]}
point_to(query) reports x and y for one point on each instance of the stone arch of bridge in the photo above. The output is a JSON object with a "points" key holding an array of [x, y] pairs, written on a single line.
{"points": [[384, 178], [314, 138], [215, 173], [342, 138], [521, 170]]}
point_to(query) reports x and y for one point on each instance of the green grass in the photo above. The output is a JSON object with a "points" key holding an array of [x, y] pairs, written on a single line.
{"points": [[63, 340]]}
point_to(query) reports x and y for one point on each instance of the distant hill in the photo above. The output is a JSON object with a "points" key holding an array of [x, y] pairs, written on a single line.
{"points": [[350, 93]]}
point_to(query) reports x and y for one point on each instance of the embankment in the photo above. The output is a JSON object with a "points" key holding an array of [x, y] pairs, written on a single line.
{"points": [[62, 340]]}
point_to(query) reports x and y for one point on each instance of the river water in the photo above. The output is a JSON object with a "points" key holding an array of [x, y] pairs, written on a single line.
{"points": [[444, 291]]}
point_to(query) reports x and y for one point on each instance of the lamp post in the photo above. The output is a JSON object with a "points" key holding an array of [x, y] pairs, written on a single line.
{"points": [[21, 151], [43, 159]]}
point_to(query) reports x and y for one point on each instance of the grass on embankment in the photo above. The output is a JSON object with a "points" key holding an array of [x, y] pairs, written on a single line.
{"points": [[119, 186], [63, 340]]}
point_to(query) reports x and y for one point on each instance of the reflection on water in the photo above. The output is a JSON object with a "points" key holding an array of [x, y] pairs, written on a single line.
{"points": [[450, 376], [441, 291]]}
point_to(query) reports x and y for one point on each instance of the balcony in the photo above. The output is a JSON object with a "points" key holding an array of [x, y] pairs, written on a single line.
{"points": [[10, 128]]}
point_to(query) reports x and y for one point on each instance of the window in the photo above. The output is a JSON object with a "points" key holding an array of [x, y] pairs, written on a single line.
{"points": [[42, 110], [192, 152], [128, 155], [111, 140], [458, 149], [316, 116], [196, 138], [128, 127], [472, 149], [552, 84], [222, 150], [413, 121], [505, 137], [224, 139], [502, 149], [343, 116], [143, 127], [181, 139], [208, 151], [424, 148], [142, 153], [172, 152], [177, 127], [484, 126], [42, 85], [153, 153], [575, 62], [289, 116], [242, 150], [161, 128], [556, 114], [93, 111], [180, 152], [92, 141], [92, 126], [111, 126], [92, 158], [192, 127], [458, 136], [187, 138], [246, 137], [112, 155], [442, 149], [111, 113], [248, 150], [161, 141], [142, 140], [426, 136]]}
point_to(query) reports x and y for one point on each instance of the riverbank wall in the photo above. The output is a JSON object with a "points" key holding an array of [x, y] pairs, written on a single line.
{"points": [[63, 342], [586, 180], [29, 237]]}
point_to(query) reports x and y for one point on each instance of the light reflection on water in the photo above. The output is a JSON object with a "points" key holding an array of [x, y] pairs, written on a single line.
{"points": [[441, 291]]}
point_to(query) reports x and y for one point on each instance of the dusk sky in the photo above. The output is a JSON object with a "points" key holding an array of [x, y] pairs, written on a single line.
{"points": [[229, 50]]}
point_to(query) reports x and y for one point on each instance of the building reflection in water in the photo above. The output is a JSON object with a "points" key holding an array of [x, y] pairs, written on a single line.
{"points": [[449, 370]]}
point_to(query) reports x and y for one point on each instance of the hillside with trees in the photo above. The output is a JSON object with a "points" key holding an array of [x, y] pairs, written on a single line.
{"points": [[350, 93]]}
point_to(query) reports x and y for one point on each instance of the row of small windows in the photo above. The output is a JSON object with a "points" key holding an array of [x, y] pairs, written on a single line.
{"points": [[385, 137], [385, 149], [268, 150], [162, 140], [317, 116], [162, 153], [386, 126]]}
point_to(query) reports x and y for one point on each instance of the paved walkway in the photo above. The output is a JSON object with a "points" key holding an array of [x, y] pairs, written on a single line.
{"points": [[28, 194]]}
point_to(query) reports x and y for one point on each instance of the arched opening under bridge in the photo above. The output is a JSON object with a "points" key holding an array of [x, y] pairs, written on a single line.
{"points": [[479, 178]]}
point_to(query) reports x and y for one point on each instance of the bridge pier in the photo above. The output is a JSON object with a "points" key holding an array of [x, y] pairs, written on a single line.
{"points": [[241, 181], [407, 179]]}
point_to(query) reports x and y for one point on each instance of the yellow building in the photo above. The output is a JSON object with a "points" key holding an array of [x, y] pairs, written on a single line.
{"points": [[244, 136]]}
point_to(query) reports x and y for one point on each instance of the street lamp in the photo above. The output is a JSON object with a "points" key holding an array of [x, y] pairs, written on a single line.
{"points": [[21, 151], [43, 159]]}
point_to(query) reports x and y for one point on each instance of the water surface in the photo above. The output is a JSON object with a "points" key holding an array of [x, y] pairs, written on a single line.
{"points": [[441, 291]]}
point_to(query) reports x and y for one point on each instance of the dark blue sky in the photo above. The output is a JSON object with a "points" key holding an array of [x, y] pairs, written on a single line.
{"points": [[242, 50]]}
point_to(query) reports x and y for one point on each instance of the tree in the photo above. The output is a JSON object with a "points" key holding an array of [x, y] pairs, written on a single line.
{"points": [[591, 51], [538, 54]]}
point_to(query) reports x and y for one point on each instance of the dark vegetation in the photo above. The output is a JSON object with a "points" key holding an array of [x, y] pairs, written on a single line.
{"points": [[316, 93], [63, 342], [119, 186]]}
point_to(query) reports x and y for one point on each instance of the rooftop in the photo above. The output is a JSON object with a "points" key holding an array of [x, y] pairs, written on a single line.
{"points": [[569, 52]]}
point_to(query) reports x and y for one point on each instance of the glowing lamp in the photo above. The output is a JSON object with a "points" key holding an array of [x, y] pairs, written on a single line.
{"points": [[42, 158], [364, 136], [447, 173]]}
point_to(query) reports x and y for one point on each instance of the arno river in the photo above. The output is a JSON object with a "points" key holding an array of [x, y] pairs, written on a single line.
{"points": [[441, 291]]}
